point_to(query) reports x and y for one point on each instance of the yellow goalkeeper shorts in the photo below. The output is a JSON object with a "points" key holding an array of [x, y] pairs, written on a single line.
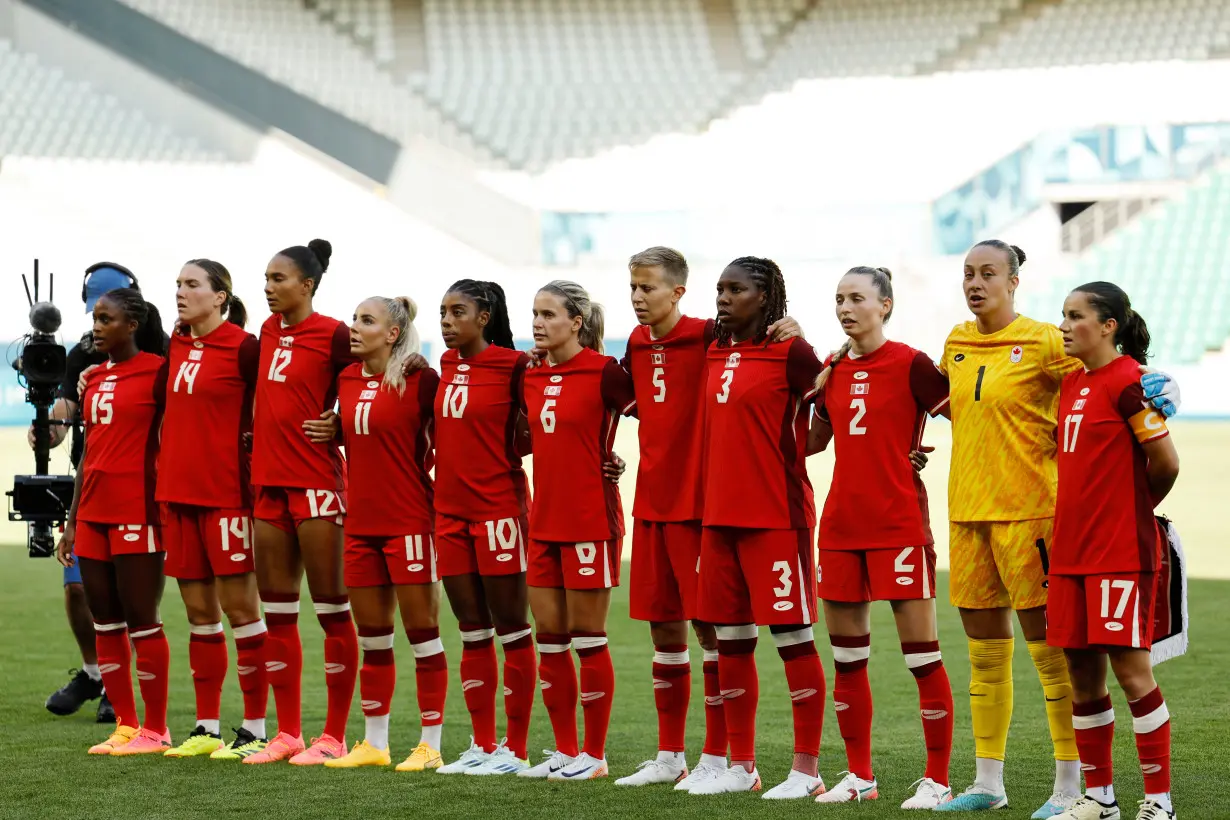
{"points": [[998, 563]]}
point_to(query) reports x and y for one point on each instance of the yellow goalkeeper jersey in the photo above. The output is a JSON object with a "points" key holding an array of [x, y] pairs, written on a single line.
{"points": [[1004, 388]]}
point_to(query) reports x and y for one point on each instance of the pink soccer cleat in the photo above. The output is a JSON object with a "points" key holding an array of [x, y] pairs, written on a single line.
{"points": [[282, 747], [323, 748], [145, 743]]}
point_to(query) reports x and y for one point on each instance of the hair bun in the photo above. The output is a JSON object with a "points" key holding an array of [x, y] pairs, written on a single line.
{"points": [[1020, 255], [886, 272], [323, 250], [409, 304]]}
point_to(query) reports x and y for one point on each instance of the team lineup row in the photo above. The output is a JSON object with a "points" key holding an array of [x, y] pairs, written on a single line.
{"points": [[1060, 454]]}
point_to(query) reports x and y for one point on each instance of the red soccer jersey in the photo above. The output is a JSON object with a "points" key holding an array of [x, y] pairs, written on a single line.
{"points": [[210, 382], [478, 472], [122, 407], [574, 409], [756, 435], [877, 405], [296, 382], [1103, 512], [669, 377], [389, 449]]}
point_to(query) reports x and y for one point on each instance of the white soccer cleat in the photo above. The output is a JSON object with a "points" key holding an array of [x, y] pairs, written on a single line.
{"points": [[501, 761], [1056, 805], [471, 758], [1150, 810], [927, 795], [654, 771], [582, 767], [850, 789], [555, 761], [1086, 808], [703, 773], [734, 779], [796, 786]]}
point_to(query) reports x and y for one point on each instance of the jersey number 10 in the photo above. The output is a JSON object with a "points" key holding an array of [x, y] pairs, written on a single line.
{"points": [[456, 397]]}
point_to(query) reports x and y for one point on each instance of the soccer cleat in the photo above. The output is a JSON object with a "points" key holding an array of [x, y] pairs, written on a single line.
{"points": [[734, 779], [555, 761], [471, 758], [975, 798], [200, 742], [106, 712], [145, 743], [1087, 808], [796, 785], [1055, 806], [73, 695], [422, 758], [325, 747], [118, 738], [1151, 810], [928, 795], [583, 767], [850, 789], [703, 773], [243, 746], [282, 747], [654, 771], [501, 761], [363, 754]]}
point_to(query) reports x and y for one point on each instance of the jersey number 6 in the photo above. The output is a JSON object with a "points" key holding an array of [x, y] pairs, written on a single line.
{"points": [[547, 417]]}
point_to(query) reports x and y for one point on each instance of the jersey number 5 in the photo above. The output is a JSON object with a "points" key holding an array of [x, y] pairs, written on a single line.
{"points": [[281, 358], [728, 376], [659, 381]]}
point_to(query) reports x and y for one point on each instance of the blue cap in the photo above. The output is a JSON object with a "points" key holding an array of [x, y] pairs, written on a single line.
{"points": [[102, 280]]}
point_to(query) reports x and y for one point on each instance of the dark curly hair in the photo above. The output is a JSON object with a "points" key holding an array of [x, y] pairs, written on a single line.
{"points": [[768, 277]]}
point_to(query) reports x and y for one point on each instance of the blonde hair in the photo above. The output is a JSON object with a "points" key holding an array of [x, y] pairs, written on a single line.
{"points": [[669, 260], [401, 311], [577, 302]]}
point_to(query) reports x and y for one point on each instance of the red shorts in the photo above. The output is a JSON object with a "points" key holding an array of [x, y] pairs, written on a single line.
{"points": [[204, 543], [665, 561], [481, 547], [765, 577], [587, 565], [288, 507], [1115, 609], [101, 541], [893, 574], [381, 561]]}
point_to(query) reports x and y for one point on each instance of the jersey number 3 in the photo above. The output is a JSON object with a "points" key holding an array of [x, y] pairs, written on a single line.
{"points": [[728, 376]]}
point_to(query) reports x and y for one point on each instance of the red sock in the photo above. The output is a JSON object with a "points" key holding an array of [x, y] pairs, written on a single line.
{"points": [[1094, 723], [805, 680], [934, 703], [1151, 720], [479, 678], [430, 674], [153, 673], [852, 700], [284, 660], [253, 682], [597, 689], [740, 690], [115, 662], [520, 675], [559, 690], [715, 716], [341, 662], [672, 689], [378, 675], [208, 661]]}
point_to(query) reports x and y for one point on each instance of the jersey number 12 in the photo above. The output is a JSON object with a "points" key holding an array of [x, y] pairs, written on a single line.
{"points": [[281, 358]]}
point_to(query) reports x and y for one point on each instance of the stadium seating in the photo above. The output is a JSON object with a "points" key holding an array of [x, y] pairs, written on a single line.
{"points": [[43, 113], [763, 21]]}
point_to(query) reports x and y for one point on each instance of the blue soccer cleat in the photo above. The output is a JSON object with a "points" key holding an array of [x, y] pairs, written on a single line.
{"points": [[1056, 805], [975, 798]]}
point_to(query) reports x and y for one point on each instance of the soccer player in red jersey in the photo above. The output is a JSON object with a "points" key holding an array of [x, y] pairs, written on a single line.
{"points": [[113, 523], [875, 532], [756, 562], [481, 526], [386, 422], [574, 403], [207, 513], [1116, 463], [300, 501]]}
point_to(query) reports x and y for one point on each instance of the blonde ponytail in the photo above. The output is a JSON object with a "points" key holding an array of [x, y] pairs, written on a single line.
{"points": [[577, 302], [401, 311]]}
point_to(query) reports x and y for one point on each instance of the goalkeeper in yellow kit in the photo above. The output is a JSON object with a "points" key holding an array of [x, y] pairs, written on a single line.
{"points": [[1004, 372]]}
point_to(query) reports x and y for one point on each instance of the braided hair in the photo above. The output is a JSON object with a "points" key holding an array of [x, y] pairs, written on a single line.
{"points": [[148, 335], [489, 296], [768, 277]]}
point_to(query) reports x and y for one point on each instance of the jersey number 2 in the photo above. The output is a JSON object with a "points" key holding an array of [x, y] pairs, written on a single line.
{"points": [[859, 406]]}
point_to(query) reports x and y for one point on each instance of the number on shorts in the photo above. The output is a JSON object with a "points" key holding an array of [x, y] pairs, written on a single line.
{"points": [[281, 358], [237, 527], [187, 375], [547, 417], [456, 397], [100, 408], [900, 566], [728, 376], [859, 406], [1125, 593], [362, 414], [503, 534], [587, 552], [414, 547], [323, 503], [659, 381], [784, 580], [1071, 429]]}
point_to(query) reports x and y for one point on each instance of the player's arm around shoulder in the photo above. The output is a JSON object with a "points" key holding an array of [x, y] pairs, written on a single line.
{"points": [[1148, 426]]}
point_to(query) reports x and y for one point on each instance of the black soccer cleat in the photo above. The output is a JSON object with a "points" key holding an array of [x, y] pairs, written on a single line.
{"points": [[106, 712], [69, 698]]}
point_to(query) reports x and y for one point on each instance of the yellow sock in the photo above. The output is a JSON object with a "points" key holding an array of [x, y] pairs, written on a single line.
{"points": [[1053, 673], [990, 695]]}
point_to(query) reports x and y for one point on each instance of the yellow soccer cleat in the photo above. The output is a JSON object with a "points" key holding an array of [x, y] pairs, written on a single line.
{"points": [[421, 759], [119, 737], [363, 754], [200, 742], [243, 746]]}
